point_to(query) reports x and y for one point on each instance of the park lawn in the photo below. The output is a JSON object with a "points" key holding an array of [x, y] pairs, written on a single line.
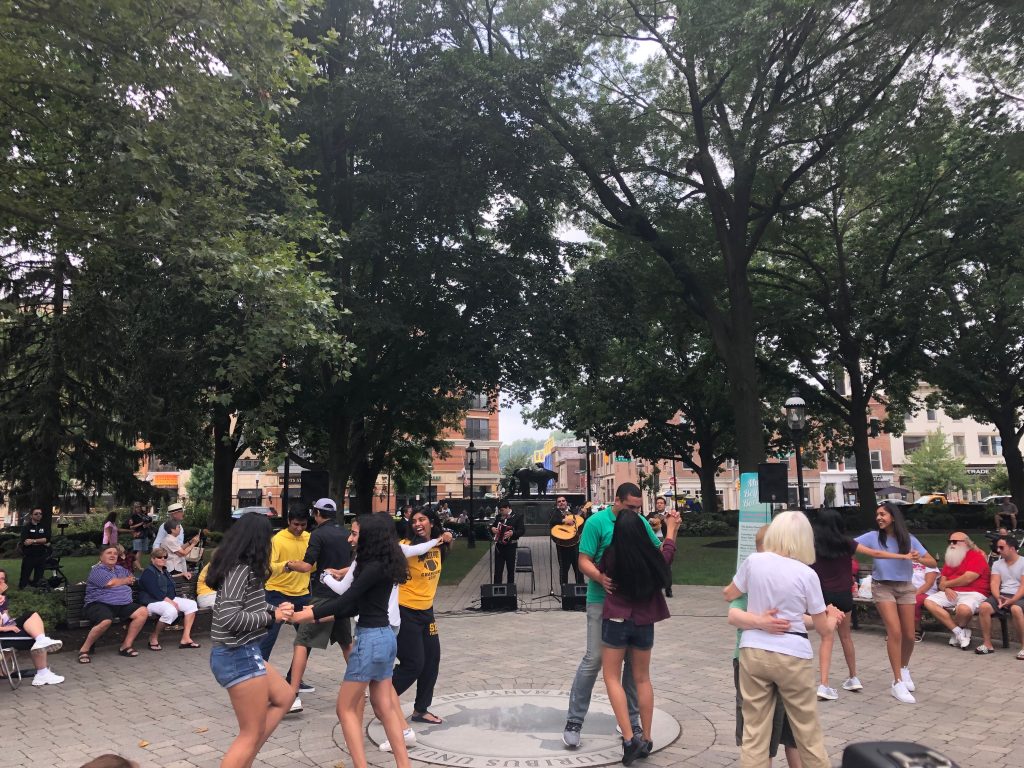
{"points": [[75, 568], [461, 559]]}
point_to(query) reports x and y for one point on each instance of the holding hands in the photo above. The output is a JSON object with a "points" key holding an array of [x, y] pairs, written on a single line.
{"points": [[284, 612]]}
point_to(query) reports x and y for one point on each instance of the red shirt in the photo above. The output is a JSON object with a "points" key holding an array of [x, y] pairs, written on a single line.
{"points": [[976, 562]]}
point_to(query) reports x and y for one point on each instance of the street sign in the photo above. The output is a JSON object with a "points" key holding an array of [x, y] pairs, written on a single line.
{"points": [[582, 449], [625, 459]]}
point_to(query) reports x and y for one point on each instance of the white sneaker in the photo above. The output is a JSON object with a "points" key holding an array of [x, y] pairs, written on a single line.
{"points": [[48, 644], [826, 693], [296, 705], [853, 684], [900, 693], [905, 679], [46, 677], [965, 639], [409, 735], [955, 639]]}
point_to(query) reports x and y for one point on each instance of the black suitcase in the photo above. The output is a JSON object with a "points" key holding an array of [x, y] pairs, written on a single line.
{"points": [[893, 754]]}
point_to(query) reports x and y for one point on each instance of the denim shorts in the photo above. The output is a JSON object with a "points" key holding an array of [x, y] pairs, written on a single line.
{"points": [[373, 655], [236, 665], [616, 633]]}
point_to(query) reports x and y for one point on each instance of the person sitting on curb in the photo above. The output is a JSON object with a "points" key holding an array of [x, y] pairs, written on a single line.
{"points": [[108, 596], [26, 632], [963, 587], [159, 596], [1007, 584]]}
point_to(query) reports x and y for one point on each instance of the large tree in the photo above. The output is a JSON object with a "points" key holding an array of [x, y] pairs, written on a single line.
{"points": [[726, 109]]}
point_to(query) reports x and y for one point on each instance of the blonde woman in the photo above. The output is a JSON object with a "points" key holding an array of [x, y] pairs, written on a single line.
{"points": [[780, 579]]}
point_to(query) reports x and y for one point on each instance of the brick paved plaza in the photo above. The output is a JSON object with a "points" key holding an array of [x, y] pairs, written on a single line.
{"points": [[171, 701]]}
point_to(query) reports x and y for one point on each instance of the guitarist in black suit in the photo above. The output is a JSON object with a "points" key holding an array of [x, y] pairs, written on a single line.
{"points": [[506, 529], [567, 537]]}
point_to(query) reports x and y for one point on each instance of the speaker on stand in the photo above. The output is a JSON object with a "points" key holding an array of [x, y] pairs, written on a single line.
{"points": [[773, 483], [498, 597], [574, 597]]}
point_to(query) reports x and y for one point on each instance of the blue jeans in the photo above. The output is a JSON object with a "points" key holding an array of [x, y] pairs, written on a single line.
{"points": [[590, 667], [275, 599]]}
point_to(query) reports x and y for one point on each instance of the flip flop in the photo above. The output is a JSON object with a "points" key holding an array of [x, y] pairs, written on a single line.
{"points": [[155, 647], [1020, 655], [427, 717], [189, 645], [128, 652], [84, 657], [984, 650]]}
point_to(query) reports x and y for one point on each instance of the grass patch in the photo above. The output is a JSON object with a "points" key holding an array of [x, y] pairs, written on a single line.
{"points": [[461, 560], [75, 568]]}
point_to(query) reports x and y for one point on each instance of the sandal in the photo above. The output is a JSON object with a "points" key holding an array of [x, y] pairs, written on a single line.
{"points": [[426, 717], [85, 658], [984, 650], [155, 647], [190, 644], [1020, 655], [129, 652]]}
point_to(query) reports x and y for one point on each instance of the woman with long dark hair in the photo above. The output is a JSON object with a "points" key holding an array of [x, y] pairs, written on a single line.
{"points": [[110, 530], [834, 551], [241, 617], [894, 593], [419, 645], [640, 573], [380, 565]]}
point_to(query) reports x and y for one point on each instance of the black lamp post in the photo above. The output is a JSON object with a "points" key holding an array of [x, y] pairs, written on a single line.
{"points": [[796, 418], [430, 482], [471, 451]]}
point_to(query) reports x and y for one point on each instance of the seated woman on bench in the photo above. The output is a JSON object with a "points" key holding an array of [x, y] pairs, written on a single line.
{"points": [[161, 600], [108, 596]]}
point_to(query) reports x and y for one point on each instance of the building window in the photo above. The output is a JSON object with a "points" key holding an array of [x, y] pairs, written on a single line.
{"points": [[477, 429], [930, 414], [479, 402], [831, 464], [248, 465], [876, 460], [851, 462], [481, 461], [911, 443], [990, 445], [959, 446]]}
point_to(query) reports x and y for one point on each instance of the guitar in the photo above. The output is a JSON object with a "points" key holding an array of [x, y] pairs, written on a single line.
{"points": [[568, 534]]}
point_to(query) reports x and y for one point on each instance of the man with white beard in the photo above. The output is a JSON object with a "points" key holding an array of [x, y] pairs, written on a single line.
{"points": [[963, 587]]}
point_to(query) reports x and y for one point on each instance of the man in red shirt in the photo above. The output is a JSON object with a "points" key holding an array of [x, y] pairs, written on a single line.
{"points": [[963, 587]]}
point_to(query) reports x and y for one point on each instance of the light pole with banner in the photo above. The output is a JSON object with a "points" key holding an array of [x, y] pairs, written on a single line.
{"points": [[796, 418], [471, 452]]}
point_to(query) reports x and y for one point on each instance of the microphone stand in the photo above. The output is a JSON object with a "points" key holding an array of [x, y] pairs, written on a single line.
{"points": [[551, 575]]}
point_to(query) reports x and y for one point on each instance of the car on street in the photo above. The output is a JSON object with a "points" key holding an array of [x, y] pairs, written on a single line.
{"points": [[996, 499], [268, 511], [931, 498]]}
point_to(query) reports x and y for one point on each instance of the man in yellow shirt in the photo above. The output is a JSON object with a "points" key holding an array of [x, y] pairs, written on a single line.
{"points": [[284, 584]]}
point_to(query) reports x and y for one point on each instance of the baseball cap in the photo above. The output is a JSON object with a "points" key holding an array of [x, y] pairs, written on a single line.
{"points": [[325, 505]]}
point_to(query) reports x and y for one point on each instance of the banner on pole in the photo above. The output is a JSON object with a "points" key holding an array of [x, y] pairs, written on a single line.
{"points": [[753, 514]]}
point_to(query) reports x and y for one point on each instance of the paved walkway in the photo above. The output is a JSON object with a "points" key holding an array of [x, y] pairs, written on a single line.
{"points": [[170, 701]]}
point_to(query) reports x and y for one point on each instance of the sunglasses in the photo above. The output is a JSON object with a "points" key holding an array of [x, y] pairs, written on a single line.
{"points": [[158, 557], [957, 541]]}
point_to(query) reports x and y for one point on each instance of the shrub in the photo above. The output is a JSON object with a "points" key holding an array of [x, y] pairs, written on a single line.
{"points": [[704, 525], [49, 605]]}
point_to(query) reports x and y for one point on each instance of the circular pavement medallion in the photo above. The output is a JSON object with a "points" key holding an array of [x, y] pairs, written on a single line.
{"points": [[519, 729]]}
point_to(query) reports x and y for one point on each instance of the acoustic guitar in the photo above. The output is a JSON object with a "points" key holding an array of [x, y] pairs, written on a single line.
{"points": [[568, 534]]}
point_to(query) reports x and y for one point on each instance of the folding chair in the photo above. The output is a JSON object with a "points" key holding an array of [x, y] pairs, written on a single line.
{"points": [[9, 664], [524, 564]]}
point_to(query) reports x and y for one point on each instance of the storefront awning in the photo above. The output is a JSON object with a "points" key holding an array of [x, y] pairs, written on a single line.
{"points": [[881, 488]]}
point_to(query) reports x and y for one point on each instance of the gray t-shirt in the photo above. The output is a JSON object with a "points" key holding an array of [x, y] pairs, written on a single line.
{"points": [[1009, 575]]}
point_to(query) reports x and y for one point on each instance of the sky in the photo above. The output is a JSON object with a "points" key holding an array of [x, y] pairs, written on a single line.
{"points": [[512, 427]]}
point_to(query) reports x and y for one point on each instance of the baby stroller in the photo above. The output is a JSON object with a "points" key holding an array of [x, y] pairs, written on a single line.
{"points": [[56, 581]]}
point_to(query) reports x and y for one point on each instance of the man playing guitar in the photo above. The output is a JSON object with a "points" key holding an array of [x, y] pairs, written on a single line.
{"points": [[506, 529], [565, 530]]}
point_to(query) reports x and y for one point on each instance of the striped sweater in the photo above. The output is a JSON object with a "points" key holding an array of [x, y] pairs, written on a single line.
{"points": [[241, 614]]}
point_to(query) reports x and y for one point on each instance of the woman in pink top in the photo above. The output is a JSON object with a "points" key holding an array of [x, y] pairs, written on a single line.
{"points": [[638, 574], [110, 530]]}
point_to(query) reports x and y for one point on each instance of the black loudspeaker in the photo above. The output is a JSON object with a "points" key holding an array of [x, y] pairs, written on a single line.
{"points": [[773, 483], [574, 597], [498, 597], [315, 484], [893, 754]]}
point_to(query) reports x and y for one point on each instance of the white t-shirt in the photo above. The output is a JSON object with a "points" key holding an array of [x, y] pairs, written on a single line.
{"points": [[920, 571], [1009, 575], [790, 587]]}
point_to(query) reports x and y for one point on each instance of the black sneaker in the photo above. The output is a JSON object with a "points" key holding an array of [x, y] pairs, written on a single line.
{"points": [[631, 749], [306, 688], [647, 748], [571, 734]]}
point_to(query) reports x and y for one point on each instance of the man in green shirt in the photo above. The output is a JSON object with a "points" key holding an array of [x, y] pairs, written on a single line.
{"points": [[597, 535]]}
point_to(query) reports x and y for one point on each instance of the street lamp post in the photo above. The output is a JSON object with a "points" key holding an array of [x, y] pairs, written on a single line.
{"points": [[796, 418], [471, 451], [430, 482]]}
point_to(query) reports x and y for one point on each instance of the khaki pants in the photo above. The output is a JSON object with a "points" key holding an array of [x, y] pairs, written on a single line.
{"points": [[761, 673]]}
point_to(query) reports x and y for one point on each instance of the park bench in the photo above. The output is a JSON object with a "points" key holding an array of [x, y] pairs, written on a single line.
{"points": [[74, 600], [866, 605]]}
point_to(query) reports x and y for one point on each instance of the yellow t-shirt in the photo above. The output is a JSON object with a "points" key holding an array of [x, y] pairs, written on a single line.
{"points": [[424, 574], [284, 547], [201, 588]]}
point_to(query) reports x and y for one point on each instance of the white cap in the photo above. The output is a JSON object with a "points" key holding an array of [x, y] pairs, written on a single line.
{"points": [[325, 504]]}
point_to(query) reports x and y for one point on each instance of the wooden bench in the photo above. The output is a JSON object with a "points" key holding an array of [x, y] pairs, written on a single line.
{"points": [[74, 600], [867, 605]]}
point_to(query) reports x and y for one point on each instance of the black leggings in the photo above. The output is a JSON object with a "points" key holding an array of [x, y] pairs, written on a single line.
{"points": [[419, 656], [569, 557], [505, 556]]}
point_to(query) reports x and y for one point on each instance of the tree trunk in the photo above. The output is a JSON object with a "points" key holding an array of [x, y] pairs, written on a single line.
{"points": [[1006, 426], [364, 480], [45, 491], [858, 423], [224, 447], [339, 467], [708, 470]]}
